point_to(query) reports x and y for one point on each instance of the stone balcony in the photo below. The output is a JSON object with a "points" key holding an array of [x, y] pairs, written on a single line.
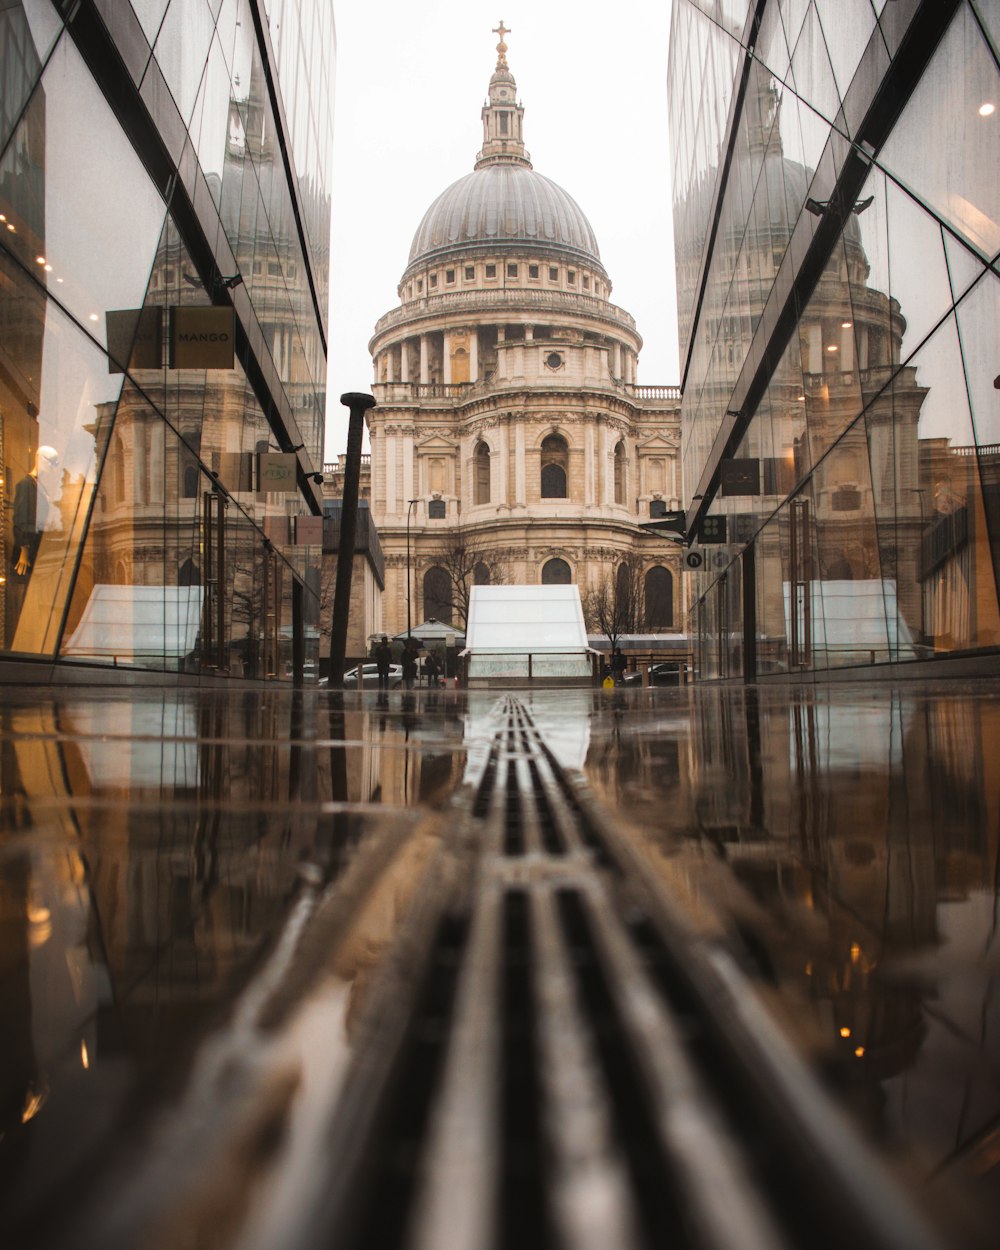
{"points": [[466, 392], [474, 303]]}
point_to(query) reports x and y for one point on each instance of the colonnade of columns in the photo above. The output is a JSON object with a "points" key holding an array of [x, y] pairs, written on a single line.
{"points": [[393, 362]]}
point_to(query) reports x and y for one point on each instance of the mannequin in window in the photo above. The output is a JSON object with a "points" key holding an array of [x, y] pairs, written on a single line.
{"points": [[32, 503]]}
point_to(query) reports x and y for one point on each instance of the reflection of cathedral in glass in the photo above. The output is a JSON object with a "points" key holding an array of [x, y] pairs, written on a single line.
{"points": [[835, 308], [136, 532]]}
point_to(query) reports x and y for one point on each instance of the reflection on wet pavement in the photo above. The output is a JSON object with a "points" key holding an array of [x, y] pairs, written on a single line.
{"points": [[849, 838], [198, 891]]}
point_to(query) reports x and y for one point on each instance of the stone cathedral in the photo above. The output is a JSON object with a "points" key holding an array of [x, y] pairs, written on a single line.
{"points": [[511, 441]]}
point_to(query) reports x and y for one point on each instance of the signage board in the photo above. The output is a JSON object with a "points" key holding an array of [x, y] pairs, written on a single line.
{"points": [[135, 338], [740, 477], [308, 531], [712, 529], [202, 337], [276, 471]]}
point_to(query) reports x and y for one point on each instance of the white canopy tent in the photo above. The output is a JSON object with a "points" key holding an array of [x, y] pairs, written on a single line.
{"points": [[522, 634]]}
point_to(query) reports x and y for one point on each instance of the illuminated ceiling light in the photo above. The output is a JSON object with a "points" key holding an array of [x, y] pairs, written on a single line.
{"points": [[846, 325], [39, 260], [3, 216], [801, 398], [48, 268], [859, 1052], [33, 1103], [832, 347], [60, 279], [84, 1055], [93, 317], [987, 109], [845, 1031], [855, 952], [10, 227]]}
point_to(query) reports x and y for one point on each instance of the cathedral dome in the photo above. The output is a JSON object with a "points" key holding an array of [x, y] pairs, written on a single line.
{"points": [[504, 203]]}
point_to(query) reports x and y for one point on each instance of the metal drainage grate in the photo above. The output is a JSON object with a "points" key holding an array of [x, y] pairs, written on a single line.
{"points": [[591, 1075], [552, 1061]]}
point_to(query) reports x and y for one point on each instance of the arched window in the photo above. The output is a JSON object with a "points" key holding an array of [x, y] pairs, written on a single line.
{"points": [[659, 598], [482, 473], [190, 481], [623, 584], [556, 573], [481, 574], [555, 463], [620, 473], [437, 595]]}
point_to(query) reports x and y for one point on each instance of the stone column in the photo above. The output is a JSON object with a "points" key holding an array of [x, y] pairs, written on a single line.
{"points": [[409, 483], [391, 505], [589, 465], [519, 465], [424, 361], [616, 360], [404, 362], [446, 357], [474, 355], [500, 494]]}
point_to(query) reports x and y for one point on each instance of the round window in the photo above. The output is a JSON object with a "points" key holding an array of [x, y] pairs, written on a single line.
{"points": [[553, 360]]}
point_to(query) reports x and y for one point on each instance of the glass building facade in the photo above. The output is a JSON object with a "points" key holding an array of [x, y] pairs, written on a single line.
{"points": [[164, 249], [836, 183]]}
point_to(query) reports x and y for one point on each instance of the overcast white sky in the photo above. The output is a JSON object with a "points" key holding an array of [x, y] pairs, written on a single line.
{"points": [[411, 81]]}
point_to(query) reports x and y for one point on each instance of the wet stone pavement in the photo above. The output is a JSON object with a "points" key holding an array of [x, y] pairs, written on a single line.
{"points": [[211, 902]]}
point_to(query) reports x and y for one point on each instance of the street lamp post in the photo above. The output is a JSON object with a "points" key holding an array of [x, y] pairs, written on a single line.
{"points": [[358, 404], [409, 622]]}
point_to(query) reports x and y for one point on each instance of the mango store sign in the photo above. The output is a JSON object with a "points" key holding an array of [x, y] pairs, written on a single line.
{"points": [[202, 337]]}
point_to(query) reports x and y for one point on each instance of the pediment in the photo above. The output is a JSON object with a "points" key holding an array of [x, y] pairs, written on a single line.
{"points": [[435, 445], [658, 443]]}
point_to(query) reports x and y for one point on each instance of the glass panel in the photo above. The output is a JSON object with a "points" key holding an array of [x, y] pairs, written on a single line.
{"points": [[150, 14], [964, 268], [92, 248], [51, 394], [214, 138], [27, 32], [956, 561], [181, 50], [922, 292], [979, 333], [847, 27], [136, 601], [812, 74], [943, 147]]}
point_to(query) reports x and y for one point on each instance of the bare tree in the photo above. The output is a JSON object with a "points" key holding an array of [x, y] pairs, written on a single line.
{"points": [[616, 606], [468, 560]]}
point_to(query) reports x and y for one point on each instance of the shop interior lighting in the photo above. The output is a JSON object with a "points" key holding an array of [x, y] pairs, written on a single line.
{"points": [[987, 109]]}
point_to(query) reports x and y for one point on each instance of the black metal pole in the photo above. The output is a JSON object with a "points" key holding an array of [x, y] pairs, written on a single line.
{"points": [[409, 622], [358, 403]]}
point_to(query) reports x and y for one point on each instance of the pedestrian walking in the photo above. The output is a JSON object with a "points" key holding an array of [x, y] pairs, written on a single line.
{"points": [[383, 658]]}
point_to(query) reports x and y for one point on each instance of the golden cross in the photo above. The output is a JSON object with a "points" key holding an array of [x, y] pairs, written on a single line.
{"points": [[501, 30]]}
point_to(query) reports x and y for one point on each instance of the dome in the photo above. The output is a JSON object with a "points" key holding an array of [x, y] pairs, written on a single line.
{"points": [[505, 203]]}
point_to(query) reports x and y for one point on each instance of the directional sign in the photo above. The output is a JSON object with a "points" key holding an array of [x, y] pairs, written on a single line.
{"points": [[712, 529]]}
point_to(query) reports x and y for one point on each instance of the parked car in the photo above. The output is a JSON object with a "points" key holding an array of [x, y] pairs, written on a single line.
{"points": [[369, 676], [666, 673]]}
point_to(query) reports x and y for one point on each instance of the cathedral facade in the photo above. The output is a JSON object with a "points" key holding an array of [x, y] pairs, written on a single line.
{"points": [[511, 442]]}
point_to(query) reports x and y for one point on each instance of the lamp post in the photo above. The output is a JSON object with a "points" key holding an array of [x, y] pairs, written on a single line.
{"points": [[358, 404], [409, 622]]}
